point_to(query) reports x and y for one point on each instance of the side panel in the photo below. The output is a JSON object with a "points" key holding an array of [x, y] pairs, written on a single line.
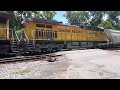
{"points": [[3, 31], [64, 33], [84, 35], [4, 28], [29, 28], [59, 34], [68, 34], [42, 33]]}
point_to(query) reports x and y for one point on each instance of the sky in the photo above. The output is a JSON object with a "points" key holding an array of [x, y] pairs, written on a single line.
{"points": [[59, 17]]}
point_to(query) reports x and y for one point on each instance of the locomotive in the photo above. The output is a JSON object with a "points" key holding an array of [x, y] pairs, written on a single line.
{"points": [[5, 32], [42, 35]]}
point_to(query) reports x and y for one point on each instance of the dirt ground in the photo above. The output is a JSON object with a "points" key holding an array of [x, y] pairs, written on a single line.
{"points": [[77, 64]]}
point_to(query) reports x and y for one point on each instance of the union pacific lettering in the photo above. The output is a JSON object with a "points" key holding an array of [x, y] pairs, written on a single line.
{"points": [[66, 30], [76, 31], [63, 30]]}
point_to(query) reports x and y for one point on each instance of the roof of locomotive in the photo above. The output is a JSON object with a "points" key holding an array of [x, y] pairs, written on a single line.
{"points": [[96, 28], [69, 25], [5, 15], [41, 20]]}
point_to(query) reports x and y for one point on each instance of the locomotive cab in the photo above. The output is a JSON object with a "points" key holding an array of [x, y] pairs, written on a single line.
{"points": [[4, 28], [4, 33]]}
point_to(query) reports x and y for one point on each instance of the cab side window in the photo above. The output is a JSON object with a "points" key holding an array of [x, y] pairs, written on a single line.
{"points": [[48, 26], [40, 25]]}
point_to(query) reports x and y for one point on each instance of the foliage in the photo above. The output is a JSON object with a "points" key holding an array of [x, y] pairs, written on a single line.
{"points": [[77, 17], [44, 14], [20, 16], [113, 17], [118, 25], [94, 18], [24, 71], [84, 17], [106, 24]]}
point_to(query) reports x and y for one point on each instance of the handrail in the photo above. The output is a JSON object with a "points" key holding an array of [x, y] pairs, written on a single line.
{"points": [[17, 36], [33, 34], [4, 28], [13, 37], [26, 36]]}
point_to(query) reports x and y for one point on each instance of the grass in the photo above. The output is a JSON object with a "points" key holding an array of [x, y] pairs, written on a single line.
{"points": [[24, 71]]}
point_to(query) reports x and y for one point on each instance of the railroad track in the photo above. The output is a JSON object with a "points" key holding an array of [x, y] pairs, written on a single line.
{"points": [[45, 57]]}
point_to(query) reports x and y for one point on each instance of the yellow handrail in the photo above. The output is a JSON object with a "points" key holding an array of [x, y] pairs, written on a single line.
{"points": [[12, 34], [26, 35], [4, 28], [33, 34], [17, 36]]}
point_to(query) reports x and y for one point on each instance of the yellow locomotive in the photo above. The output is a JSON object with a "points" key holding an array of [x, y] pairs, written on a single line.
{"points": [[41, 35], [41, 30], [4, 33], [50, 35]]}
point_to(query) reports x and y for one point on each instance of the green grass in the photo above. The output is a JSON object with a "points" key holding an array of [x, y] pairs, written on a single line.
{"points": [[24, 71]]}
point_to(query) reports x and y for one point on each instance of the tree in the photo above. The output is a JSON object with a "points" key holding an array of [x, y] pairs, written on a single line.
{"points": [[44, 14], [118, 25], [12, 19], [106, 24], [93, 18], [77, 17], [96, 17], [20, 16], [113, 17]]}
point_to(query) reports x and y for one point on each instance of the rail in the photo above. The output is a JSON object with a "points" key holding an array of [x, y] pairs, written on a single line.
{"points": [[44, 57]]}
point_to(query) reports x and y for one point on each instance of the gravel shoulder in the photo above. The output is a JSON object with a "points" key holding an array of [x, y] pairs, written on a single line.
{"points": [[78, 64]]}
